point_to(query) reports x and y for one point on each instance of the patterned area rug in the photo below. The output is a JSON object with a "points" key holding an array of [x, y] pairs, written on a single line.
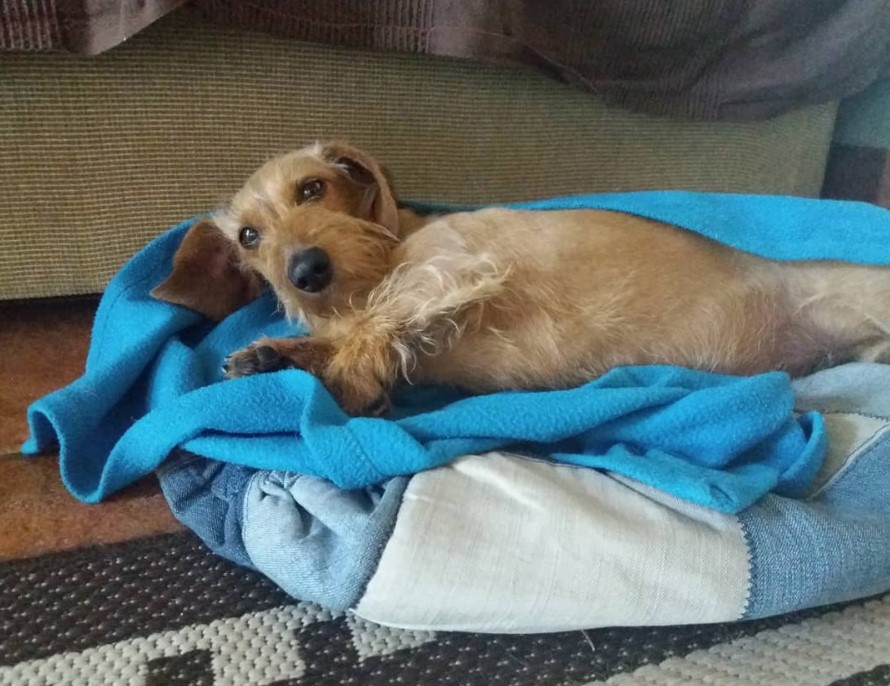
{"points": [[162, 611]]}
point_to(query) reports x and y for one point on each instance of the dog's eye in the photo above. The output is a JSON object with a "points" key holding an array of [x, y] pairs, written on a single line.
{"points": [[248, 237], [310, 190]]}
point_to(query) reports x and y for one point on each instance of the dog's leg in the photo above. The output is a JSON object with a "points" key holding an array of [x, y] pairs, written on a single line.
{"points": [[419, 310], [275, 354], [359, 379]]}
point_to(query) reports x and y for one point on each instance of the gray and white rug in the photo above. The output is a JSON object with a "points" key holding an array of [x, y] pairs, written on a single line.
{"points": [[164, 612]]}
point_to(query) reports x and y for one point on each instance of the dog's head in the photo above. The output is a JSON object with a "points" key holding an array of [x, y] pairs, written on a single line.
{"points": [[317, 224]]}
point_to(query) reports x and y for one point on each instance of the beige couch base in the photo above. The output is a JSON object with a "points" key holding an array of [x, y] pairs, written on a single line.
{"points": [[100, 154]]}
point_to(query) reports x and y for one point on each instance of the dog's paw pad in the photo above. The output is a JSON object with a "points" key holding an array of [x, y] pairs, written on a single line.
{"points": [[254, 360]]}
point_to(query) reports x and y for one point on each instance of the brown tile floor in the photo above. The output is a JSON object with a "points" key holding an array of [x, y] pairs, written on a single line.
{"points": [[43, 346]]}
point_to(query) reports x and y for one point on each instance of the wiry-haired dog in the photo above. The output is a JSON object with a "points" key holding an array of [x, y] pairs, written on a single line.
{"points": [[503, 299]]}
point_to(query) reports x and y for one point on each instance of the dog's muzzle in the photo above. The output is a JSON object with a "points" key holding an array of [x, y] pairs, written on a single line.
{"points": [[310, 270]]}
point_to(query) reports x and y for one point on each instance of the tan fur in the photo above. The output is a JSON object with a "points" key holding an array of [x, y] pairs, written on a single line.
{"points": [[499, 299]]}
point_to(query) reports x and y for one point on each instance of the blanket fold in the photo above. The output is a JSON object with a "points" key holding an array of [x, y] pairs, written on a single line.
{"points": [[153, 386]]}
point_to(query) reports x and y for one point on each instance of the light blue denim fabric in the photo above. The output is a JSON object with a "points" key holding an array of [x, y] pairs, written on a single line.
{"points": [[207, 496], [836, 545], [314, 540], [859, 387]]}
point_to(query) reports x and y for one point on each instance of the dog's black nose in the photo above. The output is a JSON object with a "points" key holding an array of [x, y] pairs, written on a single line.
{"points": [[310, 270]]}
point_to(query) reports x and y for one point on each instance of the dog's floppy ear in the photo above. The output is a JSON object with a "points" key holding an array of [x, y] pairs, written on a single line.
{"points": [[207, 276], [380, 201]]}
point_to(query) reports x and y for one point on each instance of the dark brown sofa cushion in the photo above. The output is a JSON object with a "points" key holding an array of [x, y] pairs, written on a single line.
{"points": [[704, 59], [83, 26]]}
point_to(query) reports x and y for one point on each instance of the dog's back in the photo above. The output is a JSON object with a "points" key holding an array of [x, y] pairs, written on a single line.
{"points": [[566, 295]]}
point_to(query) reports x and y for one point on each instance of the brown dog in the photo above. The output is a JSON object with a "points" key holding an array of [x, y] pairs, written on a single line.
{"points": [[501, 299]]}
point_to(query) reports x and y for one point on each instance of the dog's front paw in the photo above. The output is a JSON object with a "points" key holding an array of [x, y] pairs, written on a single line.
{"points": [[257, 358]]}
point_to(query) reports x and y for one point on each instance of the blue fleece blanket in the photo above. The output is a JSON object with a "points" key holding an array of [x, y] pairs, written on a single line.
{"points": [[153, 385]]}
